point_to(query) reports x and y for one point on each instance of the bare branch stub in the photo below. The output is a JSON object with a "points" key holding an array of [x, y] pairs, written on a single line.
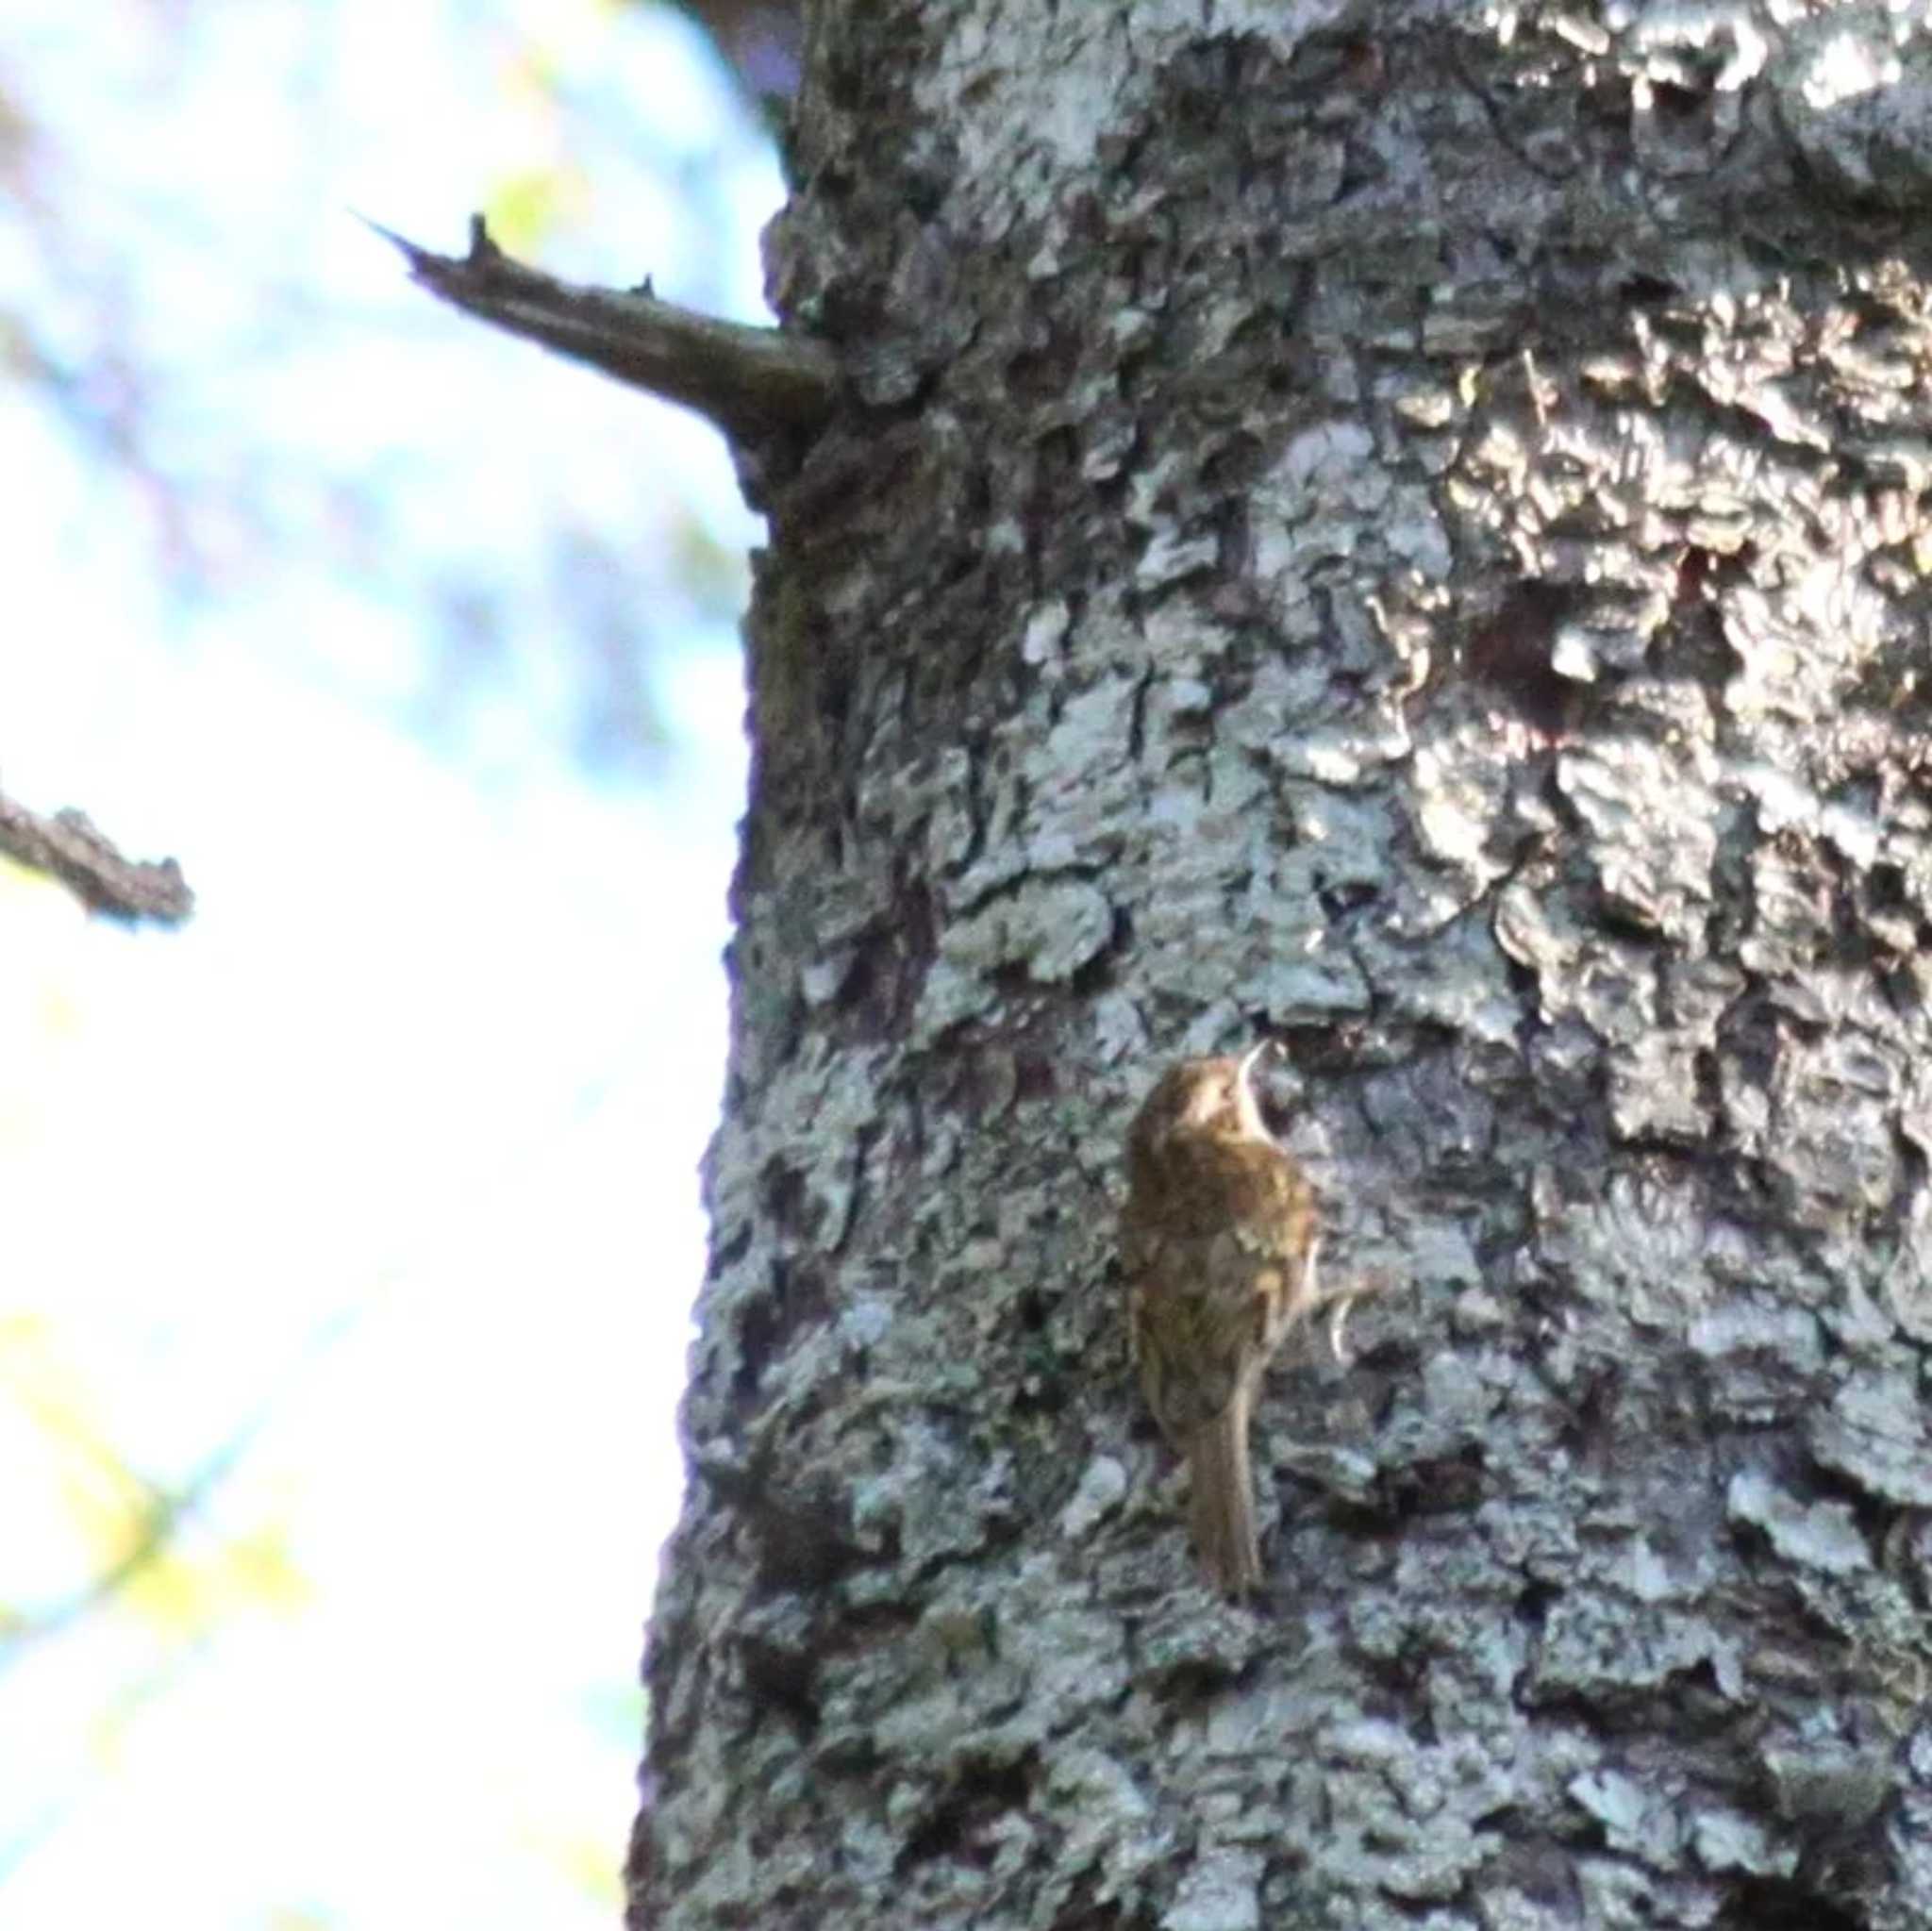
{"points": [[753, 383], [66, 846]]}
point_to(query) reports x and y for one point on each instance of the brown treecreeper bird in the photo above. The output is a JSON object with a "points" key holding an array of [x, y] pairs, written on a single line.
{"points": [[1219, 1240]]}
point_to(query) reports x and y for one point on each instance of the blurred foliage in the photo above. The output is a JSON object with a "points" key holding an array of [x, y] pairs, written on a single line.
{"points": [[228, 425], [128, 1530]]}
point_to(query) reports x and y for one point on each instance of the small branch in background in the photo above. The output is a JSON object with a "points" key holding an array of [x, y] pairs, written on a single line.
{"points": [[66, 846], [750, 382]]}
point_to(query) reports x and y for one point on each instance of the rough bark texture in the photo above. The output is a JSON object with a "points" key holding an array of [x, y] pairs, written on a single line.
{"points": [[1404, 525]]}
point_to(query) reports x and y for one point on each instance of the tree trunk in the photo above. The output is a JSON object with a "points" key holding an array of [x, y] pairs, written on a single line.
{"points": [[1411, 540]]}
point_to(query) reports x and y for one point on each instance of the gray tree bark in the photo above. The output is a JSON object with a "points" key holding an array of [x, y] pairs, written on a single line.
{"points": [[1403, 526]]}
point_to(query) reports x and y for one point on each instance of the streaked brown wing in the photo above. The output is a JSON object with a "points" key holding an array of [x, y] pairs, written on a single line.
{"points": [[1202, 1318]]}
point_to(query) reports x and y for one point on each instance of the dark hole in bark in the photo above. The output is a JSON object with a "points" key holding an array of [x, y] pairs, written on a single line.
{"points": [[1784, 1903], [959, 1828]]}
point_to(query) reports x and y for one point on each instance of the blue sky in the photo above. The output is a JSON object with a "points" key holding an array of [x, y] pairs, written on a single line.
{"points": [[379, 1179]]}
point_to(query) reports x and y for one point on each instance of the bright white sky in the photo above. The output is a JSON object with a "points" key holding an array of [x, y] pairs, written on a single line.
{"points": [[385, 1163]]}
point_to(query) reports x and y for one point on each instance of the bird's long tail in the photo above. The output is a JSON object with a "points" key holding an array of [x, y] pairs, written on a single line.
{"points": [[1221, 1507]]}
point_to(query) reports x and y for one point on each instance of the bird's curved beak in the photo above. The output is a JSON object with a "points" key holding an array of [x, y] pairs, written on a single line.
{"points": [[1247, 1096]]}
